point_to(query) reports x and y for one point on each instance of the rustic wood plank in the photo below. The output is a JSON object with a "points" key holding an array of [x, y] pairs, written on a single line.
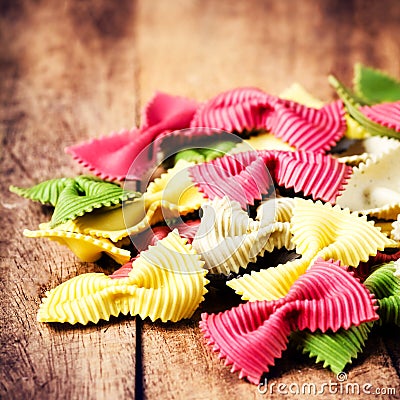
{"points": [[68, 73], [200, 48]]}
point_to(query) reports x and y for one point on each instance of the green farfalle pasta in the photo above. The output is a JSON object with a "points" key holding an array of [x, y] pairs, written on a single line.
{"points": [[337, 349], [334, 349], [73, 197], [46, 192], [353, 103], [198, 155], [386, 286], [373, 86]]}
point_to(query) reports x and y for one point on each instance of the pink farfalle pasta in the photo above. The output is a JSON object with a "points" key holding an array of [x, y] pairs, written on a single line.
{"points": [[242, 177], [111, 157], [251, 336], [385, 114], [320, 176], [245, 177], [251, 109]]}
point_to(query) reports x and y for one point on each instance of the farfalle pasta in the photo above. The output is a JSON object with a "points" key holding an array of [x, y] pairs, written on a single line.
{"points": [[251, 109], [319, 231], [249, 176], [75, 197], [85, 247], [228, 239], [166, 282], [250, 337], [374, 186]]}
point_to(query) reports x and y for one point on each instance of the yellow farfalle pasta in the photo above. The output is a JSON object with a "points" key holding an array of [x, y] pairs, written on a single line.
{"points": [[171, 195], [299, 94], [374, 187], [261, 141], [271, 283], [228, 238], [319, 230], [335, 233], [85, 247], [166, 282]]}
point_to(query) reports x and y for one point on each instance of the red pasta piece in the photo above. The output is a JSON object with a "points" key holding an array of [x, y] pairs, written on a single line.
{"points": [[386, 114], [235, 110], [242, 177], [303, 127], [320, 176], [111, 157], [123, 272], [251, 336], [364, 268], [245, 177]]}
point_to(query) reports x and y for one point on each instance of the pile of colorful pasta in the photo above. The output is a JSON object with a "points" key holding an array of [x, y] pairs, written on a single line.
{"points": [[243, 175]]}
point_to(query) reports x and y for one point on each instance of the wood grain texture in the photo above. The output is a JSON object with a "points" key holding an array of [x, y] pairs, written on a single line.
{"points": [[68, 73], [78, 69]]}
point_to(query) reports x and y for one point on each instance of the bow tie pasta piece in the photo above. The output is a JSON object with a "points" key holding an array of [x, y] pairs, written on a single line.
{"points": [[85, 247], [245, 177], [166, 282], [171, 195], [75, 197], [111, 157], [332, 232], [251, 336], [47, 192], [336, 349], [374, 187], [247, 109], [229, 239], [353, 106], [375, 86], [319, 230]]}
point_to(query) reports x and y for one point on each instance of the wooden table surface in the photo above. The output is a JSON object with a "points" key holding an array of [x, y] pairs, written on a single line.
{"points": [[71, 70]]}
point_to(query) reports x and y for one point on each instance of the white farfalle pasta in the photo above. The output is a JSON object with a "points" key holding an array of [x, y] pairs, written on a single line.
{"points": [[229, 239], [374, 187]]}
